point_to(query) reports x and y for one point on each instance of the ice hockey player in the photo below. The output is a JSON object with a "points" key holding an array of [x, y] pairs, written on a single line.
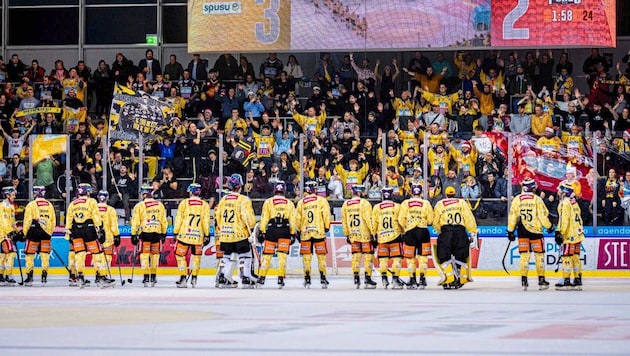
{"points": [[356, 220], [235, 220], [277, 232], [8, 231], [39, 224], [569, 236], [529, 215], [191, 232], [313, 223], [110, 226], [452, 218], [387, 233], [415, 215], [148, 227], [84, 228]]}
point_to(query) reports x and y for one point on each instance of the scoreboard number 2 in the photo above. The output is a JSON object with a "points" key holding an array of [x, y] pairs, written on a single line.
{"points": [[511, 33], [271, 14]]}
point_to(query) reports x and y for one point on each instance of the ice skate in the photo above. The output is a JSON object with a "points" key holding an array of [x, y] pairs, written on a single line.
{"points": [[369, 283], [307, 280], [10, 282], [182, 282], [384, 280], [28, 282], [193, 281], [2, 282], [145, 281], [564, 284], [412, 284], [357, 280], [230, 283], [524, 282], [105, 282], [542, 283], [323, 280], [72, 281], [397, 283], [81, 281], [422, 282], [280, 282], [247, 283], [44, 277], [220, 281], [577, 283], [260, 282], [153, 280]]}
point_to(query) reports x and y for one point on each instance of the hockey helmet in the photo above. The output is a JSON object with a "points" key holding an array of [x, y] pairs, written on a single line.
{"points": [[529, 185], [102, 196], [387, 193], [194, 189], [6, 191], [310, 187], [235, 181], [39, 191], [146, 191], [358, 189], [280, 187], [566, 189], [416, 189], [84, 189]]}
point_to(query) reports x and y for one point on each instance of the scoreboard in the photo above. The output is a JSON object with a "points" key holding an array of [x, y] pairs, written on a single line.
{"points": [[537, 23]]}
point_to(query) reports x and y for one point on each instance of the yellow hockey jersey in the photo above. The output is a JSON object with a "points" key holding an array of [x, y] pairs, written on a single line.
{"points": [[148, 216], [7, 213], [234, 217], [313, 217], [455, 212], [41, 211], [570, 223], [81, 210], [530, 209], [192, 222], [415, 212], [356, 219], [110, 223], [278, 207], [385, 223]]}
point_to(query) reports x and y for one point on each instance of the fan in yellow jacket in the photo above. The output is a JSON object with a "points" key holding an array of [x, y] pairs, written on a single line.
{"points": [[39, 224], [352, 177], [313, 223], [148, 226], [311, 122], [416, 214], [387, 230], [529, 215], [356, 220], [569, 236], [277, 232], [235, 219], [7, 229], [84, 224], [191, 232], [452, 218], [110, 225]]}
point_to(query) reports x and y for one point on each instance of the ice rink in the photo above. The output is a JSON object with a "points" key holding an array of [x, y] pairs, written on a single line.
{"points": [[491, 316]]}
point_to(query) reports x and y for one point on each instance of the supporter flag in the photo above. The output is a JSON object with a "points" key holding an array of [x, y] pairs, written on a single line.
{"points": [[48, 145], [134, 113]]}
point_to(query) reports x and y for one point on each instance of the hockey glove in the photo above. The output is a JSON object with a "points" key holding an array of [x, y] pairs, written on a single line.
{"points": [[551, 229], [326, 229], [374, 241], [293, 238], [100, 233], [559, 239], [117, 240], [261, 237], [510, 236], [348, 241], [206, 240], [474, 242], [135, 239], [162, 238]]}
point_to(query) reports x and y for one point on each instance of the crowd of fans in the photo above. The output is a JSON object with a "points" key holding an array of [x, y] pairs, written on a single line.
{"points": [[456, 106]]}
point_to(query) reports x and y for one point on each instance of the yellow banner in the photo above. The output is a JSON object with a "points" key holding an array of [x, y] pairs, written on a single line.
{"points": [[41, 110], [47, 145]]}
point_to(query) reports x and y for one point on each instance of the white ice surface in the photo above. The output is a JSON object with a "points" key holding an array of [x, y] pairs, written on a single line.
{"points": [[491, 316]]}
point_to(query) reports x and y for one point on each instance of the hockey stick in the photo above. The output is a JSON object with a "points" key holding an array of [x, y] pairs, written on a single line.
{"points": [[122, 281], [504, 255], [19, 265], [133, 264], [60, 260], [558, 258]]}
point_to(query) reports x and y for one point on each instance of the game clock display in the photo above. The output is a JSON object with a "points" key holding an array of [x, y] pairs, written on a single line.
{"points": [[589, 23]]}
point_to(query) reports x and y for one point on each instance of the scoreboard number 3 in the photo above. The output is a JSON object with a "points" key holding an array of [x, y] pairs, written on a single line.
{"points": [[271, 15], [511, 33]]}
